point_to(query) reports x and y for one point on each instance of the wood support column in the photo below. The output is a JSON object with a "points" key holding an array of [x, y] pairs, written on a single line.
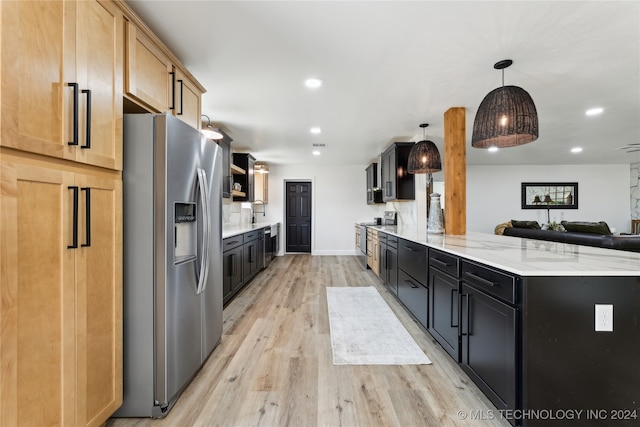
{"points": [[455, 171]]}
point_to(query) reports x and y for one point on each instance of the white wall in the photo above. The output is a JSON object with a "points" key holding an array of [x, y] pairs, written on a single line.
{"points": [[493, 194], [338, 198], [493, 197]]}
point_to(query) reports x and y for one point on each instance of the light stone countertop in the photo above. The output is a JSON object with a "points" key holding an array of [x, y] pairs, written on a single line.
{"points": [[230, 230], [527, 257]]}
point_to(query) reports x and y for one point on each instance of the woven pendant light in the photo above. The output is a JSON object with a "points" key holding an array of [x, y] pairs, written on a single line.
{"points": [[506, 117], [424, 156]]}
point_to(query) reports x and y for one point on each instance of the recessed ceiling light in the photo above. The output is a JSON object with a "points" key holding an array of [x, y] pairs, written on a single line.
{"points": [[594, 111], [315, 130], [493, 149], [316, 152], [576, 150], [313, 83]]}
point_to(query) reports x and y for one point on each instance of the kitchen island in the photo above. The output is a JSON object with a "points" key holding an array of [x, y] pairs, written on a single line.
{"points": [[550, 332], [526, 257]]}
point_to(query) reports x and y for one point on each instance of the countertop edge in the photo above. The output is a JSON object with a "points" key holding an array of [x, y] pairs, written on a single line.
{"points": [[500, 252], [231, 230]]}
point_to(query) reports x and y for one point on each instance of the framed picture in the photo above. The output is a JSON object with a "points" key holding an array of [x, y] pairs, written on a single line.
{"points": [[549, 195]]}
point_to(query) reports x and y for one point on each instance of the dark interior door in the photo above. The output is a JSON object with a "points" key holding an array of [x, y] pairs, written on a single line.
{"points": [[298, 222]]}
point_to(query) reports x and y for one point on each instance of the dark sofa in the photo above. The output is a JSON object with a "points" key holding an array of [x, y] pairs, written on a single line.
{"points": [[623, 243]]}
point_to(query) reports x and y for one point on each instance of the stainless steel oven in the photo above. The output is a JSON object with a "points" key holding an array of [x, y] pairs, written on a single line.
{"points": [[268, 246], [270, 243], [363, 245]]}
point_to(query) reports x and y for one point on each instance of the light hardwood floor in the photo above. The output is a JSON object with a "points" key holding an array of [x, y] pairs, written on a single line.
{"points": [[274, 364]]}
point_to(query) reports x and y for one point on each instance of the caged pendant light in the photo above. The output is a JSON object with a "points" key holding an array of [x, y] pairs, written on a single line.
{"points": [[506, 117]]}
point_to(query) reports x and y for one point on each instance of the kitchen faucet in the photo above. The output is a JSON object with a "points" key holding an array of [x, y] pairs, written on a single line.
{"points": [[264, 209]]}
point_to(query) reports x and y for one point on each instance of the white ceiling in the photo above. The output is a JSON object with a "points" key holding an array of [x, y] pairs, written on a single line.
{"points": [[388, 66]]}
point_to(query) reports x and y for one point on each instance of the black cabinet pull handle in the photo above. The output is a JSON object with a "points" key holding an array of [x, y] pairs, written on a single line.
{"points": [[409, 248], [181, 95], [87, 224], [235, 264], [440, 262], [87, 143], [451, 309], [462, 332], [480, 279], [173, 90], [74, 245], [413, 285], [75, 113]]}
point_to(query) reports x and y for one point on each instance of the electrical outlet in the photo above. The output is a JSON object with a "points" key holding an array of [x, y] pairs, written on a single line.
{"points": [[604, 317]]}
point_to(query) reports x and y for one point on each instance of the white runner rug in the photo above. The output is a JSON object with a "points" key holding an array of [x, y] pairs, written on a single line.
{"points": [[365, 331]]}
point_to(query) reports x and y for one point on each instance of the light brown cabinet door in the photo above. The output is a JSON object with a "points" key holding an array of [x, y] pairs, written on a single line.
{"points": [[38, 61], [57, 57], [61, 294], [100, 56], [187, 100], [99, 300], [262, 186], [148, 77], [375, 252], [37, 379]]}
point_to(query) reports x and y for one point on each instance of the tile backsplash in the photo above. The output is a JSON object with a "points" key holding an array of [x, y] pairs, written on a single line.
{"points": [[236, 213]]}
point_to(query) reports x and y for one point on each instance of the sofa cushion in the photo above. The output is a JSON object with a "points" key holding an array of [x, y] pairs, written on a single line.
{"points": [[525, 224], [600, 227], [624, 243]]}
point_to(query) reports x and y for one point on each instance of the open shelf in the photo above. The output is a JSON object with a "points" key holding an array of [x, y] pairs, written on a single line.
{"points": [[238, 193], [237, 169]]}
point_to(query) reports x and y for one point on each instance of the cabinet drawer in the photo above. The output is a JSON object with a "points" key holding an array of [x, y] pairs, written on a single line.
{"points": [[382, 237], [494, 282], [414, 296], [392, 241], [231, 242], [412, 258], [443, 261], [252, 235]]}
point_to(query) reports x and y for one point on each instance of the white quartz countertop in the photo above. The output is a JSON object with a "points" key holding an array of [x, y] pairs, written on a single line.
{"points": [[527, 257], [230, 230]]}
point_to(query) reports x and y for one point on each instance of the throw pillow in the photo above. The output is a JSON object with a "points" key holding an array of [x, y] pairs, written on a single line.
{"points": [[600, 227], [499, 230], [526, 224]]}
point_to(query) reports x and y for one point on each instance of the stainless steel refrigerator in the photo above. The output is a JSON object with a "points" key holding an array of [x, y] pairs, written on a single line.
{"points": [[172, 241]]}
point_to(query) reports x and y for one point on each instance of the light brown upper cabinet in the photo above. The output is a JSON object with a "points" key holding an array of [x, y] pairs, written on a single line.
{"points": [[156, 82], [188, 97], [62, 80]]}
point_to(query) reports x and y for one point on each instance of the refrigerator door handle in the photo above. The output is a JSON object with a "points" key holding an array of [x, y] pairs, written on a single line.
{"points": [[209, 224], [204, 198]]}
